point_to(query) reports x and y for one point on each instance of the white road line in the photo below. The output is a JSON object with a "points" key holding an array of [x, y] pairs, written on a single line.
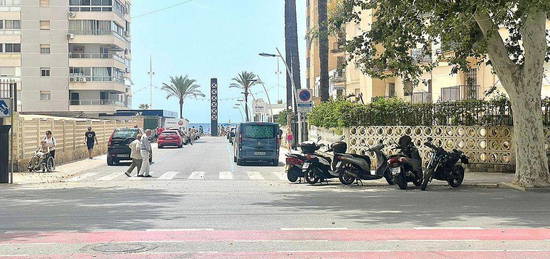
{"points": [[280, 175], [457, 228], [110, 177], [178, 229], [168, 175], [255, 176], [196, 176], [298, 229], [226, 175], [81, 177]]}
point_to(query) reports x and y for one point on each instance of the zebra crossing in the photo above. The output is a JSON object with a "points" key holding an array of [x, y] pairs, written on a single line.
{"points": [[176, 175]]}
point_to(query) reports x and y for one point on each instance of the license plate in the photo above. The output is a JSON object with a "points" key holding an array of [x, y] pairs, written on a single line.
{"points": [[259, 153], [395, 170], [305, 166], [123, 155]]}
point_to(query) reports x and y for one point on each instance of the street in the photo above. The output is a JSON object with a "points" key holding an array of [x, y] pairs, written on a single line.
{"points": [[200, 204]]}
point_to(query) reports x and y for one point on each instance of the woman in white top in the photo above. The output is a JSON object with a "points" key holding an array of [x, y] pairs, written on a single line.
{"points": [[50, 142]]}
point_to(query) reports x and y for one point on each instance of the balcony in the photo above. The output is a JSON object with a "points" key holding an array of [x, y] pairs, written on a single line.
{"points": [[98, 60], [101, 83], [95, 105], [110, 38], [460, 93], [338, 76]]}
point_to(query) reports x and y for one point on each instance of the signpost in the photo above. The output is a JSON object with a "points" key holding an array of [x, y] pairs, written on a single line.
{"points": [[305, 100]]}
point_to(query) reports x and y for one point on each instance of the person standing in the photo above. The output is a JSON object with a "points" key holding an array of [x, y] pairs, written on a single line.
{"points": [[145, 148], [91, 139], [50, 142], [135, 155]]}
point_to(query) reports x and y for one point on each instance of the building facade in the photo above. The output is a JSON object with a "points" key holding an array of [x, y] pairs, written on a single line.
{"points": [[336, 57], [68, 56]]}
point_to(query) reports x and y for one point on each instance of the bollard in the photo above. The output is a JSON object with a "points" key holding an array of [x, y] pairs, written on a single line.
{"points": [[4, 153]]}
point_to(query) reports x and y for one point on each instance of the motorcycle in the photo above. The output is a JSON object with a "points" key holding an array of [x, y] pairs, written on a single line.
{"points": [[293, 168], [319, 167], [406, 166], [444, 166], [357, 167]]}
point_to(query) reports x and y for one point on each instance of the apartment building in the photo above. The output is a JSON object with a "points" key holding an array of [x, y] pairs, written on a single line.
{"points": [[69, 57], [438, 85], [337, 57]]}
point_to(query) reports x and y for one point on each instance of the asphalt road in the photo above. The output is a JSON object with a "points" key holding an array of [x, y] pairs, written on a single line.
{"points": [[200, 204]]}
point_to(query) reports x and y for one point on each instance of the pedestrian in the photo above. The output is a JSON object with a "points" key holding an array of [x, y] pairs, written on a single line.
{"points": [[135, 155], [50, 142], [90, 139], [289, 139], [145, 150]]}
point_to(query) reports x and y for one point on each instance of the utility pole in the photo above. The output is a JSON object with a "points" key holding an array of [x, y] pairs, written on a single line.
{"points": [[151, 74], [278, 81]]}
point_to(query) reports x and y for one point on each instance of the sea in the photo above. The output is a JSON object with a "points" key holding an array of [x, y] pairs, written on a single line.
{"points": [[206, 126]]}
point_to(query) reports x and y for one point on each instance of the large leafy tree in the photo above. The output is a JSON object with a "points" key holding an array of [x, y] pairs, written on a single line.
{"points": [[510, 35], [182, 87], [245, 80]]}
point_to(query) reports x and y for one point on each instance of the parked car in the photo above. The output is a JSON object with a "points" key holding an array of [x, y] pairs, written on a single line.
{"points": [[118, 149], [256, 142], [170, 138]]}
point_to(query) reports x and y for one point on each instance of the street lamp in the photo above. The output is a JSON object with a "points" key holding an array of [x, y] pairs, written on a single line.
{"points": [[293, 92]]}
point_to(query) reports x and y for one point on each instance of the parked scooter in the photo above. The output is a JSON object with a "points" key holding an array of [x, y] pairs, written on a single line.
{"points": [[406, 166], [293, 168], [319, 167], [444, 166], [356, 167]]}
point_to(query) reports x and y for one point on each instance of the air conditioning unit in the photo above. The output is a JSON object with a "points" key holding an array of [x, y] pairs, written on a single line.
{"points": [[70, 36], [83, 79], [71, 15]]}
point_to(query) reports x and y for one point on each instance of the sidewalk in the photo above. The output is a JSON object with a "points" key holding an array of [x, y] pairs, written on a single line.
{"points": [[61, 173], [472, 179]]}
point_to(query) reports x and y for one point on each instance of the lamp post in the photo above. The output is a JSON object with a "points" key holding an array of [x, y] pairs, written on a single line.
{"points": [[294, 104]]}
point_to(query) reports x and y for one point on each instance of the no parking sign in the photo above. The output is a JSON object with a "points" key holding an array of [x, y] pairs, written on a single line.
{"points": [[304, 100]]}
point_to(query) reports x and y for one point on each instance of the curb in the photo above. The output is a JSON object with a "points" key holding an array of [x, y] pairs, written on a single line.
{"points": [[524, 189]]}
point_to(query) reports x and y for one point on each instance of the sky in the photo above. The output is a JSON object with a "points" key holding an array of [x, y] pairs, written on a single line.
{"points": [[206, 39]]}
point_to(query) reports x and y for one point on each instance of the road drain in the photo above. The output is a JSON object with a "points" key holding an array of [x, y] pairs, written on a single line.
{"points": [[120, 248]]}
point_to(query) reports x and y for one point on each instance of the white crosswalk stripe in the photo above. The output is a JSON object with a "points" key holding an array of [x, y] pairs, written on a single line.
{"points": [[82, 177], [280, 175], [226, 176], [196, 176], [110, 177], [168, 175], [255, 176]]}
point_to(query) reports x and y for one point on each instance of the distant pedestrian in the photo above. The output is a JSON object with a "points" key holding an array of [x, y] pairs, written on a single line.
{"points": [[145, 150], [50, 142], [90, 139], [289, 139], [135, 155]]}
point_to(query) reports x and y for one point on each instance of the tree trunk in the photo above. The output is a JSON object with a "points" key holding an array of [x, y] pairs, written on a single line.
{"points": [[291, 48], [181, 109], [246, 104], [323, 50]]}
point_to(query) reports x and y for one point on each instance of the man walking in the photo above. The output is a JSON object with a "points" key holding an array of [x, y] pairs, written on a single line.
{"points": [[135, 155], [145, 154], [91, 139]]}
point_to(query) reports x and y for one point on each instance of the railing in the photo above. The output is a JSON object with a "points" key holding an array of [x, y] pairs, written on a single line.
{"points": [[99, 33], [422, 97], [97, 102], [460, 93], [84, 79], [98, 56], [339, 76]]}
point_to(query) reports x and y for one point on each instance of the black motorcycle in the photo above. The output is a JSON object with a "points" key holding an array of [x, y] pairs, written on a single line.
{"points": [[319, 167], [353, 168], [406, 166], [444, 166]]}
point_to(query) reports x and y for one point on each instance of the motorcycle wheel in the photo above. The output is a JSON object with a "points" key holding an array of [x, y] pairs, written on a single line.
{"points": [[346, 178], [427, 179], [388, 177], [401, 180], [457, 176], [310, 176], [418, 179], [293, 174]]}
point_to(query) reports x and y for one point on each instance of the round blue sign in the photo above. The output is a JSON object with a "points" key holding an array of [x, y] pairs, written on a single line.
{"points": [[304, 96]]}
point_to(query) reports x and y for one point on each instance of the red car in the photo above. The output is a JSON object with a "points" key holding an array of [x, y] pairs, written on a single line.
{"points": [[170, 138]]}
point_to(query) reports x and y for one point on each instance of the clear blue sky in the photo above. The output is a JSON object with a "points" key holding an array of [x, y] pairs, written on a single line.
{"points": [[205, 39]]}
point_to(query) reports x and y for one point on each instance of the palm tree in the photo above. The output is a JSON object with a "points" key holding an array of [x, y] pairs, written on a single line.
{"points": [[245, 80], [323, 50], [291, 48], [181, 88]]}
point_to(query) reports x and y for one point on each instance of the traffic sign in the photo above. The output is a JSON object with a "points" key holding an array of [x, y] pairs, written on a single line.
{"points": [[5, 108], [304, 96]]}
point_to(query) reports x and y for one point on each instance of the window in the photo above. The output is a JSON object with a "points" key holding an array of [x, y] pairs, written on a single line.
{"points": [[450, 94], [1, 24], [45, 95], [391, 89], [12, 25], [12, 47], [44, 3], [10, 2], [44, 48], [44, 25], [44, 71]]}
